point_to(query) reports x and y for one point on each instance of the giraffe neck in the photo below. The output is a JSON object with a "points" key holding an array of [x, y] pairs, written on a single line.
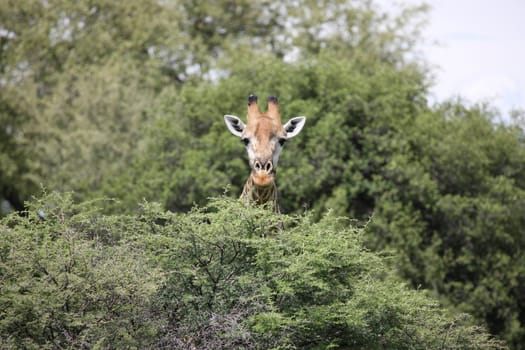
{"points": [[260, 195]]}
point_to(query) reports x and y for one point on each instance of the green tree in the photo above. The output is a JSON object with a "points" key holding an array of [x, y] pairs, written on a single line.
{"points": [[219, 277], [77, 78], [80, 78], [73, 279], [454, 213]]}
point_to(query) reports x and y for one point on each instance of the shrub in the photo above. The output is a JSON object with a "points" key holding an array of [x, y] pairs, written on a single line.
{"points": [[73, 279], [224, 276]]}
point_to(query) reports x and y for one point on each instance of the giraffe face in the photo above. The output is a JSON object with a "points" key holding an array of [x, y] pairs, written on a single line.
{"points": [[264, 141], [264, 137]]}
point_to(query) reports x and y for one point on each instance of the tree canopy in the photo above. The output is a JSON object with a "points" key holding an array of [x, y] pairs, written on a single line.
{"points": [[220, 277]]}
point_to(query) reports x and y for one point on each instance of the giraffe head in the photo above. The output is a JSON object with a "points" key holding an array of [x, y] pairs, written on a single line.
{"points": [[264, 137]]}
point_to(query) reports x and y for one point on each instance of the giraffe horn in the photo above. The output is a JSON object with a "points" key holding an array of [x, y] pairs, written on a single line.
{"points": [[273, 109], [253, 108]]}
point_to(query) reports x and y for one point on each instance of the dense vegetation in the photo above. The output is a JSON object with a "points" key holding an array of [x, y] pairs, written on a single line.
{"points": [[221, 277], [125, 100]]}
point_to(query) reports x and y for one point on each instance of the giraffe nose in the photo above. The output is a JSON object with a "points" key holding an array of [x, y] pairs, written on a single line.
{"points": [[263, 166]]}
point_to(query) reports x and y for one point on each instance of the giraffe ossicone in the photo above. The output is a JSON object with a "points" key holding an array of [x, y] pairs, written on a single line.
{"points": [[263, 136]]}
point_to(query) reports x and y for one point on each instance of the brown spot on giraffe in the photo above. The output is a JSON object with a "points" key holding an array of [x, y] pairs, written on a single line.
{"points": [[263, 136]]}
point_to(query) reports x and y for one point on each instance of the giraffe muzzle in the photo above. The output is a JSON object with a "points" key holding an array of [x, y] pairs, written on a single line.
{"points": [[263, 173]]}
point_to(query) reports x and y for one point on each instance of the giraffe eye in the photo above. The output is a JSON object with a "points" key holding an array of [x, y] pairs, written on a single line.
{"points": [[282, 141], [246, 141]]}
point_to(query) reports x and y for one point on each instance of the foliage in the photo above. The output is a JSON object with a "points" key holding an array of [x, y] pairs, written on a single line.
{"points": [[455, 213], [79, 79], [73, 279], [219, 277]]}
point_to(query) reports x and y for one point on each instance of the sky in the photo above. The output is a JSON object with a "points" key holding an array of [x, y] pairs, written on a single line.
{"points": [[480, 50]]}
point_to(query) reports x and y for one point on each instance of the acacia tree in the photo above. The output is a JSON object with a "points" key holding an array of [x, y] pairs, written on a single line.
{"points": [[219, 277]]}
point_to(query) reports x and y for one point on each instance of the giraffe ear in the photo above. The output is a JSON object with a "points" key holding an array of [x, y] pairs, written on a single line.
{"points": [[234, 124], [294, 126]]}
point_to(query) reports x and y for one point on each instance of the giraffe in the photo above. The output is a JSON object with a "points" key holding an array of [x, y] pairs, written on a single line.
{"points": [[264, 137]]}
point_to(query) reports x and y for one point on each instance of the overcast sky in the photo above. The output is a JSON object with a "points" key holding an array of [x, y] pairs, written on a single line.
{"points": [[481, 55], [480, 50]]}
